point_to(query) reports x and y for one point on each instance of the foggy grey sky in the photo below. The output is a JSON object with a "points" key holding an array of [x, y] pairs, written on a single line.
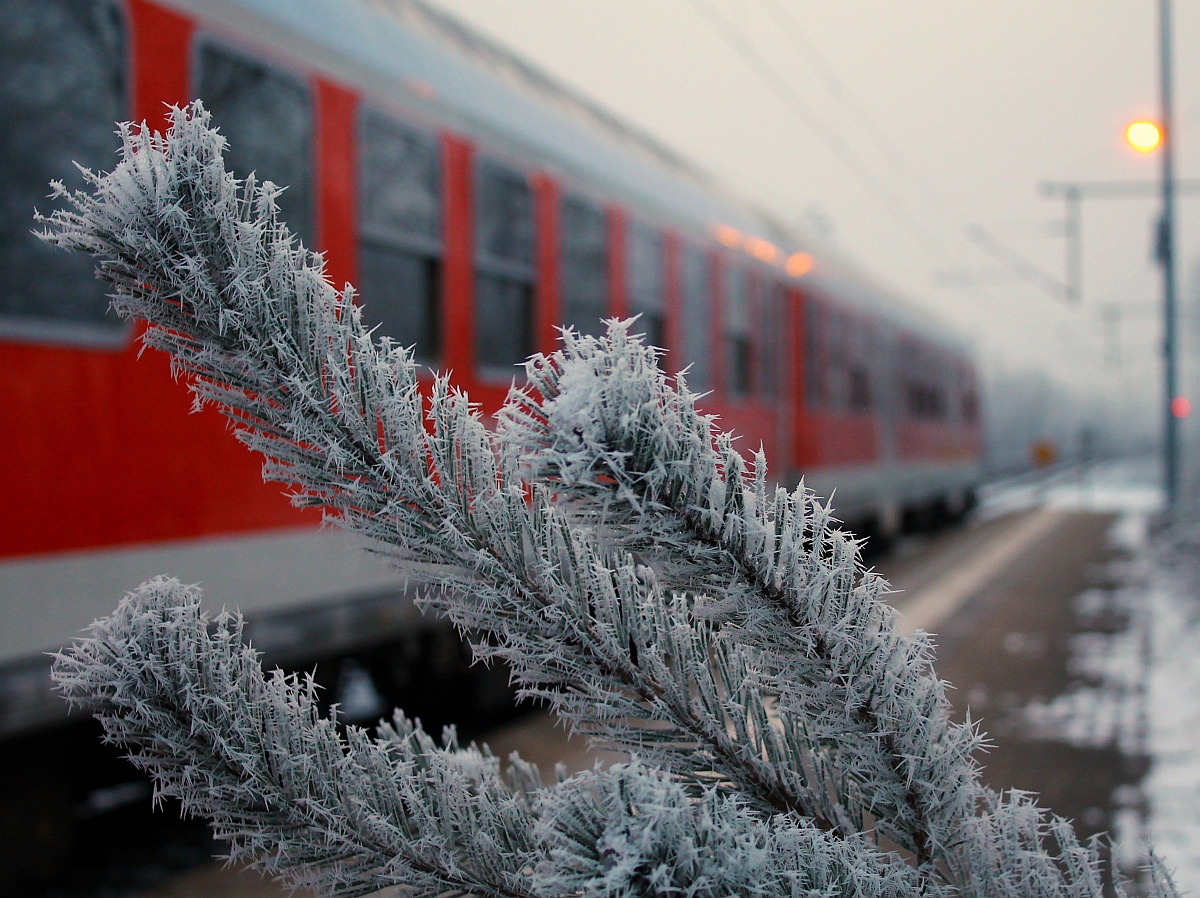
{"points": [[954, 110]]}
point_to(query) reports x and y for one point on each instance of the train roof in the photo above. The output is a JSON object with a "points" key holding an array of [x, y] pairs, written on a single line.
{"points": [[510, 67], [838, 277], [408, 52]]}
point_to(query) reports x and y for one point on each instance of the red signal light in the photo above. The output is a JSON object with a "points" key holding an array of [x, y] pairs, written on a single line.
{"points": [[1181, 407]]}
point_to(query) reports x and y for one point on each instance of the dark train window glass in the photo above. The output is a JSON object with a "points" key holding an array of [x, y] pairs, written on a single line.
{"points": [[969, 397], [266, 115], [859, 355], [583, 271], [504, 229], [697, 317], [970, 406], [814, 368], [849, 359], [738, 348], [399, 194], [503, 323], [924, 393], [835, 360], [645, 281], [505, 269], [401, 296], [62, 89], [926, 402], [400, 232], [859, 389], [772, 340]]}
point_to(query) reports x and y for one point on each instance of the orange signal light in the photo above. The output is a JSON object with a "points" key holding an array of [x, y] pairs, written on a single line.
{"points": [[1043, 453], [799, 264], [1144, 136]]}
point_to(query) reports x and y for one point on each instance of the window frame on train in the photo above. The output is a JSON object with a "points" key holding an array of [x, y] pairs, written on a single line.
{"points": [[842, 347], [402, 248], [584, 262], [697, 277], [969, 404], [301, 215], [737, 329], [771, 325], [518, 277], [925, 400], [858, 369], [87, 322], [646, 279], [815, 368]]}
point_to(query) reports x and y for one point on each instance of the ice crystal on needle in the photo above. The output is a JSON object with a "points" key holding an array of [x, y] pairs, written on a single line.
{"points": [[605, 540]]}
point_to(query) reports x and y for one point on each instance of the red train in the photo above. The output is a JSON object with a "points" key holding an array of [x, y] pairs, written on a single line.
{"points": [[478, 205]]}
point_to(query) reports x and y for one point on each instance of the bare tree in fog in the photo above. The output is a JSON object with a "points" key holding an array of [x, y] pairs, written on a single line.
{"points": [[605, 541]]}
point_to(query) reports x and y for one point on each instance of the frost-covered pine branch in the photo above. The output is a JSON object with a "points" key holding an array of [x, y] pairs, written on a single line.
{"points": [[605, 541]]}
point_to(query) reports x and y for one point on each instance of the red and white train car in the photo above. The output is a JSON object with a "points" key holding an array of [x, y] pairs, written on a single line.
{"points": [[477, 205]]}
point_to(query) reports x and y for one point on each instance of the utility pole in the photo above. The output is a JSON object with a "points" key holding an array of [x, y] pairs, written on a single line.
{"points": [[1074, 192], [1072, 231], [1145, 137], [1166, 254]]}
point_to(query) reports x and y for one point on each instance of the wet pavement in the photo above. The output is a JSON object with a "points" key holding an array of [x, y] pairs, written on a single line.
{"points": [[1032, 654]]}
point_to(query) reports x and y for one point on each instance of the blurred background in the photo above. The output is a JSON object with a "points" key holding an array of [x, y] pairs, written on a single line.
{"points": [[915, 251], [917, 140]]}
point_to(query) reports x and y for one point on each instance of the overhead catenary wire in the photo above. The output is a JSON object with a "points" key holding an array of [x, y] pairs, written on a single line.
{"points": [[822, 130], [808, 51], [979, 236]]}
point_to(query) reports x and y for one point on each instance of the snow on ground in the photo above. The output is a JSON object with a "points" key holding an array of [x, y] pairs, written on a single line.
{"points": [[1137, 686], [1172, 788], [1126, 486]]}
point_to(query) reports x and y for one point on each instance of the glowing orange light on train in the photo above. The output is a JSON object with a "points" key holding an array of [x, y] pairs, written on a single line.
{"points": [[799, 264], [763, 250], [731, 237]]}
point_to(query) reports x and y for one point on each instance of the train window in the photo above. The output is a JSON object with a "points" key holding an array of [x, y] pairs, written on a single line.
{"points": [[859, 355], [505, 269], [970, 407], [266, 114], [584, 265], [645, 272], [849, 354], [924, 397], [926, 401], [859, 389], [738, 349], [697, 317], [772, 337], [970, 398], [835, 359], [400, 232], [814, 367], [62, 86]]}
